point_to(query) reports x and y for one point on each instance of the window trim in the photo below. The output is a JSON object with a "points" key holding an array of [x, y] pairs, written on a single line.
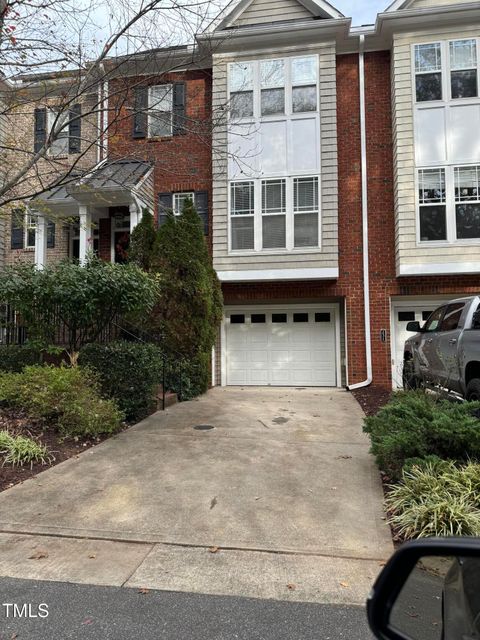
{"points": [[446, 74], [450, 208], [63, 134], [29, 226], [151, 110], [184, 194], [258, 215], [288, 87]]}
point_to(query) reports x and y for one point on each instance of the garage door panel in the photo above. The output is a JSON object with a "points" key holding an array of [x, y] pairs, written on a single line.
{"points": [[281, 353]]}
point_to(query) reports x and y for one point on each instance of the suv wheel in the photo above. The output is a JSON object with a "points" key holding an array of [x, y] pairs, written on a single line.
{"points": [[473, 390]]}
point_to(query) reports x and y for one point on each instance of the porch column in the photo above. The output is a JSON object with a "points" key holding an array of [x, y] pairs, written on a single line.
{"points": [[134, 216], [86, 243], [41, 242]]}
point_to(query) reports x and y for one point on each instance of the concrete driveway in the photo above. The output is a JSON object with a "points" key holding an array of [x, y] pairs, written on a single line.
{"points": [[282, 482]]}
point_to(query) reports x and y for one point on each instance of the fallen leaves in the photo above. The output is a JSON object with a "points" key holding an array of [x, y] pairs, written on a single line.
{"points": [[343, 458], [143, 590], [345, 585], [291, 586], [214, 549], [38, 555], [92, 556]]}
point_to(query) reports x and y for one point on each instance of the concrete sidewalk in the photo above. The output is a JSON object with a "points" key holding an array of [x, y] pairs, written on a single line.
{"points": [[283, 484]]}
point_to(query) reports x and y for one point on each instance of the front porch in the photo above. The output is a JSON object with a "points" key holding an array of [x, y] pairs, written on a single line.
{"points": [[101, 209]]}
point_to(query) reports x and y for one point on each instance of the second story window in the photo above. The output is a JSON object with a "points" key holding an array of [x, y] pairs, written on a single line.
{"points": [[273, 214], [304, 84], [160, 116], [432, 200], [241, 90], [242, 209], [179, 201], [60, 145], [463, 68], [467, 202], [428, 71], [68, 139], [30, 231], [305, 212], [272, 81]]}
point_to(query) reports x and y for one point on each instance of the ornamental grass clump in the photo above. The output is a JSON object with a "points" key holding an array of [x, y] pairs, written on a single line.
{"points": [[436, 499], [20, 450]]}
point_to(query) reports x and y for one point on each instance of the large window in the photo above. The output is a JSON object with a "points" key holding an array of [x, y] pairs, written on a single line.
{"points": [[264, 88], [449, 204], [30, 230], [160, 107], [446, 70], [287, 216]]}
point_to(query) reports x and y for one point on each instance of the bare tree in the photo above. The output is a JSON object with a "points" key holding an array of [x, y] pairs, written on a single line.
{"points": [[51, 54]]}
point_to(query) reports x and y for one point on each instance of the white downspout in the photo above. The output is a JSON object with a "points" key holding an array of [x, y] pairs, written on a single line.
{"points": [[366, 273]]}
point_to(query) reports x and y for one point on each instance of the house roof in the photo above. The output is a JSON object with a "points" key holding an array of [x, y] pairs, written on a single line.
{"points": [[235, 8], [116, 175]]}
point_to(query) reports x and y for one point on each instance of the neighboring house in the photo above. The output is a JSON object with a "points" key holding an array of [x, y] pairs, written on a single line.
{"points": [[337, 171]]}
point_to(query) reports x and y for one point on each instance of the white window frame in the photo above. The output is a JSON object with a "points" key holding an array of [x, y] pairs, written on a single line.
{"points": [[177, 196], [450, 206], [288, 86], [289, 220], [446, 74], [30, 224], [152, 109], [63, 134]]}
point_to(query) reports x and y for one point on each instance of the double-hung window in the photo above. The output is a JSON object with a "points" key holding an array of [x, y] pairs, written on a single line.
{"points": [[60, 146], [30, 230], [467, 202], [463, 68], [179, 200], [305, 212], [428, 71], [241, 90], [304, 84], [432, 201], [160, 110], [242, 209], [274, 211]]}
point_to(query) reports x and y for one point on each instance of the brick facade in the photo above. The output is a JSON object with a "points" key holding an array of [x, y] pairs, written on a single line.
{"points": [[182, 162]]}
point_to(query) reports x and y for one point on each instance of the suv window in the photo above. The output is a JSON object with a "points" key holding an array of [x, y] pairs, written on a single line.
{"points": [[452, 316], [434, 320], [476, 319]]}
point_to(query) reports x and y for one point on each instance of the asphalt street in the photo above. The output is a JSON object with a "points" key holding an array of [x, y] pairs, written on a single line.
{"points": [[82, 612]]}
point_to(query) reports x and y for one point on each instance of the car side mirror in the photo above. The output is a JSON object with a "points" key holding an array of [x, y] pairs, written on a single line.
{"points": [[414, 327], [429, 590]]}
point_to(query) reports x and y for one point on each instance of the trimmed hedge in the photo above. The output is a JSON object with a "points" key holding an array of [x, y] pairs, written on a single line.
{"points": [[67, 399], [414, 424], [189, 378], [128, 372], [15, 357]]}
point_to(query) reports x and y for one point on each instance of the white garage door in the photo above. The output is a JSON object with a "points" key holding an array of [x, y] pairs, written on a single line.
{"points": [[402, 315], [281, 347]]}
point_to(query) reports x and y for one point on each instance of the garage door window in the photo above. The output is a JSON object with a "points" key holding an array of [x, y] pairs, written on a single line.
{"points": [[322, 317], [258, 318], [300, 317], [278, 318], [237, 319]]}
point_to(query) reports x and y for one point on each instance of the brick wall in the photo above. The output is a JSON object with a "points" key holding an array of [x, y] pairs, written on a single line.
{"points": [[383, 282], [182, 162]]}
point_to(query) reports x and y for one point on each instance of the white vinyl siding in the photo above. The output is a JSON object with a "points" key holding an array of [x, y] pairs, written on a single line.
{"points": [[264, 11], [428, 135], [325, 255]]}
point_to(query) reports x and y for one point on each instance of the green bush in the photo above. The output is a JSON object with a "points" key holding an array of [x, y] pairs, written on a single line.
{"points": [[415, 425], [19, 450], [67, 398], [436, 499], [128, 372], [15, 358], [189, 378]]}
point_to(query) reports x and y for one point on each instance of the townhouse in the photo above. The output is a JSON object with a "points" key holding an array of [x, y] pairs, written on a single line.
{"points": [[336, 170]]}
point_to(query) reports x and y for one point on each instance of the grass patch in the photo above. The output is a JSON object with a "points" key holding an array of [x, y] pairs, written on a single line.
{"points": [[20, 450]]}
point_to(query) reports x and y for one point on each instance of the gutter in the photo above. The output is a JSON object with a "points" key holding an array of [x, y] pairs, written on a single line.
{"points": [[366, 273]]}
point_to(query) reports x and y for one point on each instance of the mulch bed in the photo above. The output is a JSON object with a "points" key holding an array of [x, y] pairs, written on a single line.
{"points": [[371, 399], [17, 423]]}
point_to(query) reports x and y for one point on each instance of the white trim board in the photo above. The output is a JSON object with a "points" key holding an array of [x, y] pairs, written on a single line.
{"points": [[264, 275], [439, 269]]}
